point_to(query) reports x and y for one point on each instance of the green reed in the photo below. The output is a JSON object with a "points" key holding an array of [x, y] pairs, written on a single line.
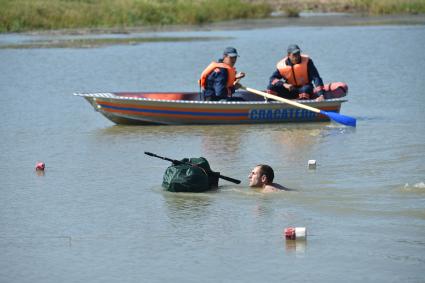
{"points": [[292, 8], [386, 7], [24, 15]]}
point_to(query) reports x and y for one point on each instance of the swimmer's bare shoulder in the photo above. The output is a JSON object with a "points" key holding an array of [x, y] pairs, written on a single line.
{"points": [[274, 187]]}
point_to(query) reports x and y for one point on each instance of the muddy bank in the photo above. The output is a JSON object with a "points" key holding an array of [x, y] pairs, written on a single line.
{"points": [[87, 38], [321, 19]]}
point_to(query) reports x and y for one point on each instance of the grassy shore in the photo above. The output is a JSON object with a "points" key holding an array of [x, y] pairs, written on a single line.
{"points": [[367, 7], [24, 15], [29, 15], [384, 7]]}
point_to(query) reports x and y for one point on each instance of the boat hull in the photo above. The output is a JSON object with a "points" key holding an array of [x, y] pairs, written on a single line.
{"points": [[170, 109]]}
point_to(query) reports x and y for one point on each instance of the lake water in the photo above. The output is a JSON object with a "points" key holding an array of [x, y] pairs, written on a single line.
{"points": [[98, 214]]}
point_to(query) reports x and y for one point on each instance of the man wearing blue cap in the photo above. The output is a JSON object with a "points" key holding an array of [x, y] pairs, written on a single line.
{"points": [[219, 80], [295, 75]]}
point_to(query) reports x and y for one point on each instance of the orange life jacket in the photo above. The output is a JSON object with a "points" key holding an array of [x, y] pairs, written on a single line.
{"points": [[231, 74], [296, 75]]}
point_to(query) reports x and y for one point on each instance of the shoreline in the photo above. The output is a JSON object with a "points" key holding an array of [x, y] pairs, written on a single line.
{"points": [[305, 20], [86, 37]]}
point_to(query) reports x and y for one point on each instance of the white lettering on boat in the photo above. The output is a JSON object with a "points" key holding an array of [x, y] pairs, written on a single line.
{"points": [[281, 114]]}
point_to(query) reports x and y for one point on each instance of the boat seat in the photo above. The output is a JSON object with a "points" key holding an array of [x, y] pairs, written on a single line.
{"points": [[163, 95]]}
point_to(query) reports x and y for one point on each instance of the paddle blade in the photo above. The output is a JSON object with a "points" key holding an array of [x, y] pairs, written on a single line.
{"points": [[342, 119]]}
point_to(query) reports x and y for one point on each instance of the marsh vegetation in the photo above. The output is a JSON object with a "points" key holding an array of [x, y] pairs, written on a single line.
{"points": [[27, 15]]}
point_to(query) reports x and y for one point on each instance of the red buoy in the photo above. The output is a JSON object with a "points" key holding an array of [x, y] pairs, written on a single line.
{"points": [[40, 166], [294, 233]]}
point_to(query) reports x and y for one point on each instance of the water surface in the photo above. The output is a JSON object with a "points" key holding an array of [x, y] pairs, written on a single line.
{"points": [[98, 214]]}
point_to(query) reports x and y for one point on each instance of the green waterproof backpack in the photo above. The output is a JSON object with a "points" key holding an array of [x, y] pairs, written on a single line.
{"points": [[191, 175]]}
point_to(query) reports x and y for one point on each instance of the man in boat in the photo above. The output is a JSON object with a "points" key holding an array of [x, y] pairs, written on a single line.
{"points": [[219, 80], [295, 75], [262, 177]]}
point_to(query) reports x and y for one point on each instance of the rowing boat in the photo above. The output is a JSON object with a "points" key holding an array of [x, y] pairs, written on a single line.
{"points": [[187, 108], [145, 108]]}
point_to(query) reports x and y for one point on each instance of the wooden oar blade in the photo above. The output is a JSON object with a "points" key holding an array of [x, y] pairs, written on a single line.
{"points": [[342, 119]]}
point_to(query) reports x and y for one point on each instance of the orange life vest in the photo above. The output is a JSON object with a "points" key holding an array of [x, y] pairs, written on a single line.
{"points": [[297, 74], [231, 74]]}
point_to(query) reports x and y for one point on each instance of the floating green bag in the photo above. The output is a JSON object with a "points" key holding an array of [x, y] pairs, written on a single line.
{"points": [[192, 175]]}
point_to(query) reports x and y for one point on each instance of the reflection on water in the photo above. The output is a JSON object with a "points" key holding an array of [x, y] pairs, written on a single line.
{"points": [[159, 131], [297, 247], [223, 139], [227, 144], [40, 172], [293, 141], [183, 207]]}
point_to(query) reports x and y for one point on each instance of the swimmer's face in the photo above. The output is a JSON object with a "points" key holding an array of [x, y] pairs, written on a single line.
{"points": [[255, 178]]}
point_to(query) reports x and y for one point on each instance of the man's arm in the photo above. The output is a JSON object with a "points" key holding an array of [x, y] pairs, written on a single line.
{"points": [[275, 80], [313, 76], [220, 83]]}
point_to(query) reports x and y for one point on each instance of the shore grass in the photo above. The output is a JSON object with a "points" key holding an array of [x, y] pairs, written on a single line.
{"points": [[368, 7], [25, 15], [386, 7], [35, 15]]}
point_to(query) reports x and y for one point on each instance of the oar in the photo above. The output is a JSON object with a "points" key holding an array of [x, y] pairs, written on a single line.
{"points": [[345, 120], [176, 162]]}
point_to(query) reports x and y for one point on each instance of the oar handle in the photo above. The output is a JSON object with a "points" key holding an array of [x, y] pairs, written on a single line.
{"points": [[229, 179], [345, 120], [180, 162], [278, 98]]}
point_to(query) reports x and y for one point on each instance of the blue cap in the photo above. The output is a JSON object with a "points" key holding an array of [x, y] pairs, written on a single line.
{"points": [[231, 52], [293, 49]]}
